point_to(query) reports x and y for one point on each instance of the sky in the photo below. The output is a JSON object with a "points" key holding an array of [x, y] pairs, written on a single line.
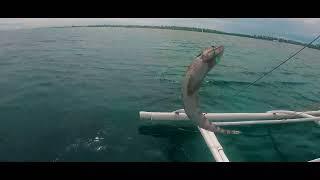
{"points": [[301, 29]]}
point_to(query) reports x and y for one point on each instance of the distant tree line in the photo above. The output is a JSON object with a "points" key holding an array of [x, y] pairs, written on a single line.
{"points": [[268, 38]]}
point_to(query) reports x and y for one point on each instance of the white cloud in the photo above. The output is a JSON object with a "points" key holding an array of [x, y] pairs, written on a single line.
{"points": [[303, 27], [305, 20]]}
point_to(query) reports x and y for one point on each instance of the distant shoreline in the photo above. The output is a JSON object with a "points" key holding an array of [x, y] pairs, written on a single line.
{"points": [[268, 38]]}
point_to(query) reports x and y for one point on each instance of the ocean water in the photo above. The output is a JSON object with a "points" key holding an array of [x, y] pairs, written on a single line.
{"points": [[74, 94]]}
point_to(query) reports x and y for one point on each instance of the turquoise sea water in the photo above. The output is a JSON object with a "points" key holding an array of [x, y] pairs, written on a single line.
{"points": [[74, 94]]}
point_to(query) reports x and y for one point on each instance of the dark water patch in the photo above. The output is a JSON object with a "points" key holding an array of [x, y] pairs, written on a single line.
{"points": [[251, 73], [172, 81], [48, 41], [223, 83], [7, 45], [287, 73]]}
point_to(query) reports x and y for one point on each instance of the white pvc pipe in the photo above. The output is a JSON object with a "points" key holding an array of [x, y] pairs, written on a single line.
{"points": [[302, 114], [271, 117], [283, 121], [315, 121], [220, 116], [214, 145], [315, 160]]}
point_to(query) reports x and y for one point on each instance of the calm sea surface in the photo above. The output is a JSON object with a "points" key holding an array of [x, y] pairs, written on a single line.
{"points": [[74, 94]]}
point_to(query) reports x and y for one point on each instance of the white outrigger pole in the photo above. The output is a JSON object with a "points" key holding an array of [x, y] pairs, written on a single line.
{"points": [[236, 119]]}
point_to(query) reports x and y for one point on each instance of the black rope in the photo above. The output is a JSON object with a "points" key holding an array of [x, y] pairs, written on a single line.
{"points": [[276, 66]]}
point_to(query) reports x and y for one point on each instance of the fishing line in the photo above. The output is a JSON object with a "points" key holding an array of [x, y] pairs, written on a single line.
{"points": [[265, 74], [269, 72]]}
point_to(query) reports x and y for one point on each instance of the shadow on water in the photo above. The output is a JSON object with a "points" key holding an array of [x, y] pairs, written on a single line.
{"points": [[167, 131], [3, 140], [175, 135], [275, 146], [178, 136]]}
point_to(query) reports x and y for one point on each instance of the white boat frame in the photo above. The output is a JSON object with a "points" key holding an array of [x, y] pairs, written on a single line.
{"points": [[236, 119]]}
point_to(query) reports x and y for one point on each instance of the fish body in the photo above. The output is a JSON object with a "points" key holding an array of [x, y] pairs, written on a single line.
{"points": [[194, 76]]}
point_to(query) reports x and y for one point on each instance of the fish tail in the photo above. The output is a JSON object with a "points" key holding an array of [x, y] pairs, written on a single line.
{"points": [[206, 124], [217, 129]]}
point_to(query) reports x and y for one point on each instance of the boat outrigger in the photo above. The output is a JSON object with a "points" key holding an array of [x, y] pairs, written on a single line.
{"points": [[208, 123], [236, 119]]}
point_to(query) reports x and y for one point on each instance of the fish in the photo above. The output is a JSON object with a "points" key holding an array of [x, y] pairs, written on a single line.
{"points": [[191, 83]]}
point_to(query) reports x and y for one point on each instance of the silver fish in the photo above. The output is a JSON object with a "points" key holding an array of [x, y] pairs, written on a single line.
{"points": [[194, 76]]}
